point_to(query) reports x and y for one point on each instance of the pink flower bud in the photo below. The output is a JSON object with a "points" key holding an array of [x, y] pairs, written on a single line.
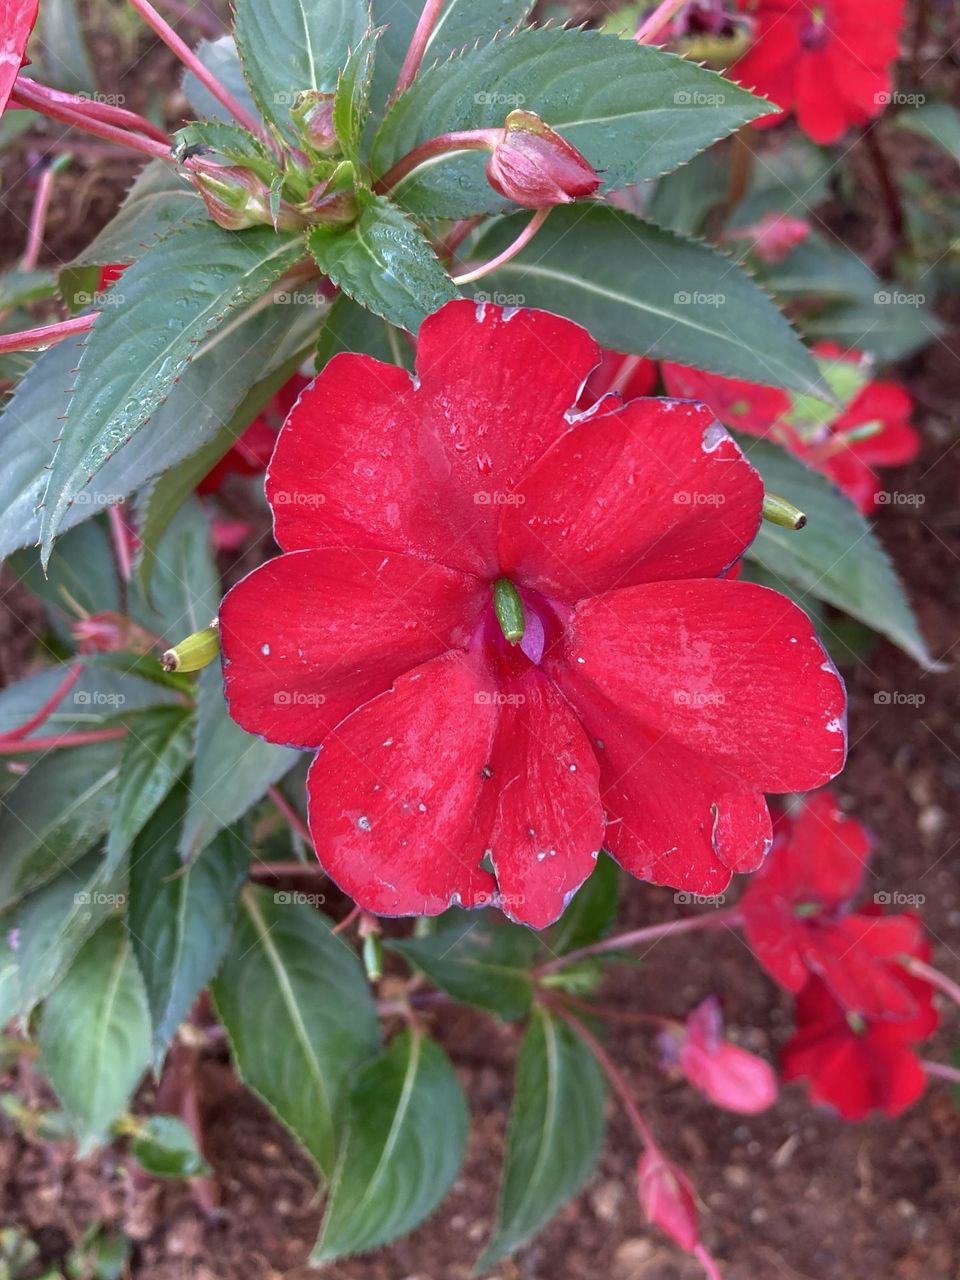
{"points": [[236, 198], [773, 236], [667, 1198], [108, 632], [731, 1077], [313, 116], [533, 166]]}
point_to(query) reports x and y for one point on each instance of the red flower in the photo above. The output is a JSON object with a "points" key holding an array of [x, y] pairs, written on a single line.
{"points": [[797, 916], [648, 706], [857, 1064], [251, 453], [829, 61], [723, 1072], [744, 406], [772, 237], [18, 19]]}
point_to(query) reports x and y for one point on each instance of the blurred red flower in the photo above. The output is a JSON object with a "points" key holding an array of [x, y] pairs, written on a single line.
{"points": [[729, 1076]]}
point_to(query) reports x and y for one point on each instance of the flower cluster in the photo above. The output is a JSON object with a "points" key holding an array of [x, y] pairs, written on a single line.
{"points": [[860, 1012], [504, 627]]}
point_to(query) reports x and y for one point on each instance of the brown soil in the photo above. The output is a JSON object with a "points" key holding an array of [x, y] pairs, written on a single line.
{"points": [[790, 1195]]}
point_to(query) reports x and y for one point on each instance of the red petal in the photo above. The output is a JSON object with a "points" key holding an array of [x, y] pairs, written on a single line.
{"points": [[17, 18], [369, 458], [730, 670], [653, 490], [856, 957], [746, 406], [546, 820], [309, 636], [394, 790]]}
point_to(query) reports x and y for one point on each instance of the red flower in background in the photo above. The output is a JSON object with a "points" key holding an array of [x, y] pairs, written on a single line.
{"points": [[744, 406], [855, 1064], [17, 20], [798, 918], [828, 61], [729, 1076], [649, 704], [772, 237]]}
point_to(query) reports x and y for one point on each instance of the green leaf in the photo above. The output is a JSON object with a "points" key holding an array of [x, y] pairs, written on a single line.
{"points": [[183, 578], [350, 105], [56, 921], [222, 59], [890, 329], [54, 814], [9, 976], [299, 1015], [154, 755], [166, 1148], [180, 918], [287, 46], [405, 1138], [836, 557], [643, 290], [232, 769], [591, 914], [683, 199], [82, 577], [633, 111], [461, 23], [94, 1035], [938, 121], [478, 959], [99, 697], [350, 327], [385, 263], [173, 297], [231, 142], [556, 1127], [63, 52], [19, 287]]}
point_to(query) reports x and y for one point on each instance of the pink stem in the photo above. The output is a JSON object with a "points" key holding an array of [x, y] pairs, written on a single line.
{"points": [[121, 542], [276, 870], [51, 704], [443, 144], [60, 740], [24, 94], [46, 335], [649, 933], [347, 920], [91, 109], [189, 59], [614, 1075], [941, 1070], [38, 219], [291, 815], [707, 1262], [936, 979], [511, 251], [418, 45], [651, 27]]}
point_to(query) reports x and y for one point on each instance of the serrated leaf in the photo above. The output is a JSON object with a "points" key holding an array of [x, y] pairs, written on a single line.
{"points": [[591, 914], [55, 922], [99, 697], [556, 1127], [938, 121], [220, 57], [54, 814], [173, 296], [836, 557], [232, 769], [232, 142], [82, 578], [647, 291], [180, 918], [385, 263], [888, 330], [19, 287], [478, 959], [299, 1014], [405, 1138], [154, 756], [166, 1148], [287, 46], [350, 105], [94, 1035], [633, 111]]}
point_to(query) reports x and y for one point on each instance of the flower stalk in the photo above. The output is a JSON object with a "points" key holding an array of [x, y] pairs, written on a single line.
{"points": [[418, 45]]}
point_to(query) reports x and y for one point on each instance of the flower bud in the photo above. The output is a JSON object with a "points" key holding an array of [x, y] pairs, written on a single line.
{"points": [[334, 201], [667, 1198], [774, 236], [235, 197], [195, 652], [312, 113], [729, 1076], [533, 166]]}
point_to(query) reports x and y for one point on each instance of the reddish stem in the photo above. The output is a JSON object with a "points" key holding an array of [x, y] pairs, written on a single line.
{"points": [[51, 704], [61, 106], [93, 109], [347, 920], [121, 541], [443, 144], [418, 45], [277, 870], [614, 1075], [649, 933], [8, 748], [38, 218], [511, 251], [936, 979], [455, 237], [941, 1071], [45, 335], [651, 27], [190, 60], [291, 815]]}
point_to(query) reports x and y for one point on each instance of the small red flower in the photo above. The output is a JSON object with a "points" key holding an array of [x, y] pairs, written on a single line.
{"points": [[744, 406], [858, 1065], [828, 61], [649, 704], [723, 1072], [798, 919]]}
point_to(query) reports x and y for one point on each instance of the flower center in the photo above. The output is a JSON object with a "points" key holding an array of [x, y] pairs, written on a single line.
{"points": [[814, 33], [508, 607]]}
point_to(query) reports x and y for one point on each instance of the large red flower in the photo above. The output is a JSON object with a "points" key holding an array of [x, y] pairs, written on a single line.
{"points": [[829, 61], [799, 921], [856, 1064], [649, 704]]}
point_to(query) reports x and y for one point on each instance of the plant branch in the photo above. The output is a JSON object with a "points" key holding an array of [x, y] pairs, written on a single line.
{"points": [[48, 708], [936, 979], [38, 214], [511, 251], [19, 748], [96, 118], [637, 937], [651, 27], [941, 1071], [614, 1075], [291, 815], [45, 335], [418, 45], [443, 144]]}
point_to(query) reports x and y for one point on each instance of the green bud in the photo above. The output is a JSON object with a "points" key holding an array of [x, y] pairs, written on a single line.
{"points": [[779, 511], [508, 607], [196, 651]]}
